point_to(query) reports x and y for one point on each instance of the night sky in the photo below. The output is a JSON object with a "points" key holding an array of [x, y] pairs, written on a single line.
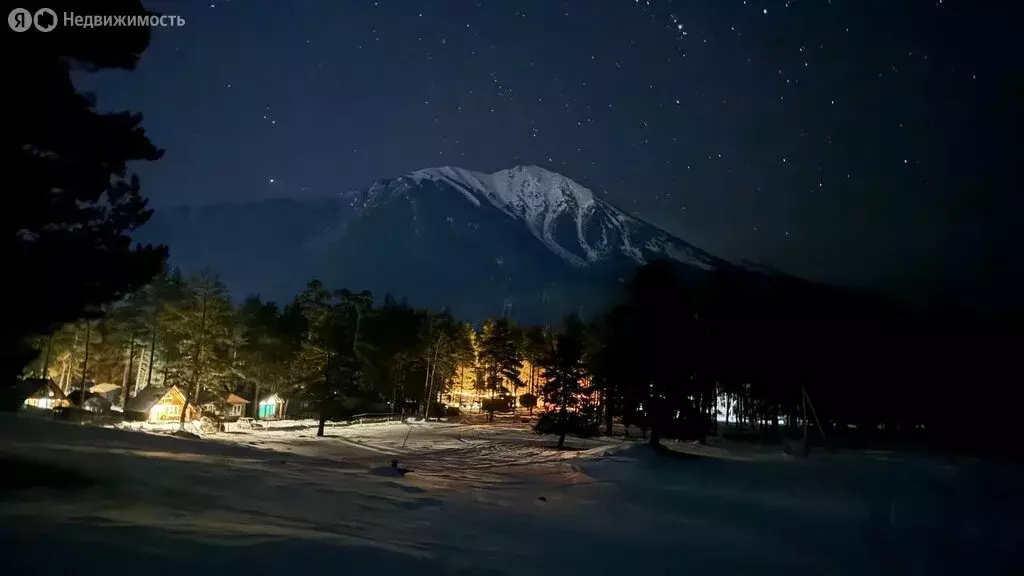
{"points": [[860, 141]]}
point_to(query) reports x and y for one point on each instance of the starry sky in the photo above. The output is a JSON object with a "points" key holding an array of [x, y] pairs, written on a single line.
{"points": [[863, 142]]}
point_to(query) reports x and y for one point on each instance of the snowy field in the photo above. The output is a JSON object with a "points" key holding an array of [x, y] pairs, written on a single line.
{"points": [[490, 500]]}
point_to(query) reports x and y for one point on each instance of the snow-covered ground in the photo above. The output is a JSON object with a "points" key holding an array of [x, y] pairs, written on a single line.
{"points": [[491, 499]]}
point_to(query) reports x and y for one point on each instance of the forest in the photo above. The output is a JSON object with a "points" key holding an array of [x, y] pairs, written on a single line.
{"points": [[666, 358]]}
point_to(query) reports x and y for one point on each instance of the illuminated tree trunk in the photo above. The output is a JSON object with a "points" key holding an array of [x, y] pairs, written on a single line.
{"points": [[46, 359], [431, 368], [152, 350], [85, 362], [323, 400], [128, 372], [197, 365], [609, 399]]}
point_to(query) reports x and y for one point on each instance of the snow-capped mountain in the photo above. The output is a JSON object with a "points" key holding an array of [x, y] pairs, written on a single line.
{"points": [[524, 241], [566, 217]]}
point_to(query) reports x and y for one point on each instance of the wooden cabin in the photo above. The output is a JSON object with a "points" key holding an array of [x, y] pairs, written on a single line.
{"points": [[271, 407], [43, 393], [230, 407], [155, 405]]}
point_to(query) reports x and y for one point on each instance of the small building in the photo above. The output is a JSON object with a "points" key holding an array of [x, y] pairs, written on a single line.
{"points": [[111, 392], [230, 407], [154, 405], [43, 393], [95, 403], [271, 407]]}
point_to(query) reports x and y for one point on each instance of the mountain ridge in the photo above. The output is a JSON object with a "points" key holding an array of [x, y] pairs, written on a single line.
{"points": [[525, 238]]}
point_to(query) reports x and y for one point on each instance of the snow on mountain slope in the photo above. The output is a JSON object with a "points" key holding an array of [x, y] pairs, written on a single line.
{"points": [[525, 239], [543, 199]]}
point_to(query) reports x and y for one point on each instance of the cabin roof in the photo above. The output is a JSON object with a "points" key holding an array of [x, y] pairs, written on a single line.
{"points": [[41, 388], [149, 397]]}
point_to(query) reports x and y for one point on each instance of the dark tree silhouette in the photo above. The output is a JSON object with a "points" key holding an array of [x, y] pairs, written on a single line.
{"points": [[563, 371], [501, 353], [661, 329], [536, 343], [73, 205], [528, 401]]}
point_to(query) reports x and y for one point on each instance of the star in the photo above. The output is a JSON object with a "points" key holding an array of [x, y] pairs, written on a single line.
{"points": [[662, 100]]}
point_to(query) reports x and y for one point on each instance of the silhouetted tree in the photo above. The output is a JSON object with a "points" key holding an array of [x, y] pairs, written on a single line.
{"points": [[74, 207], [537, 343], [394, 332], [312, 369], [266, 350], [501, 354], [563, 371], [528, 401]]}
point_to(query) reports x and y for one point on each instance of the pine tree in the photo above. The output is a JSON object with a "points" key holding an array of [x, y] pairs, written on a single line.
{"points": [[265, 351], [74, 206], [563, 370], [656, 330], [537, 342], [501, 352], [204, 325], [312, 369], [394, 334]]}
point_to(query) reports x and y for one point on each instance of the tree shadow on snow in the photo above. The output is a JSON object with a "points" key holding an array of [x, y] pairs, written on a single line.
{"points": [[552, 446], [22, 474]]}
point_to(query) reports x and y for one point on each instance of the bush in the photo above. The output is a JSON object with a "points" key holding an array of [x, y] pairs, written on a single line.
{"points": [[499, 404], [75, 414], [135, 416], [528, 401], [437, 410], [452, 412], [575, 424]]}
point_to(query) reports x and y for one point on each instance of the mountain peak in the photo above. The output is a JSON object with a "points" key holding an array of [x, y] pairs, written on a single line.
{"points": [[442, 235], [523, 191], [564, 215]]}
